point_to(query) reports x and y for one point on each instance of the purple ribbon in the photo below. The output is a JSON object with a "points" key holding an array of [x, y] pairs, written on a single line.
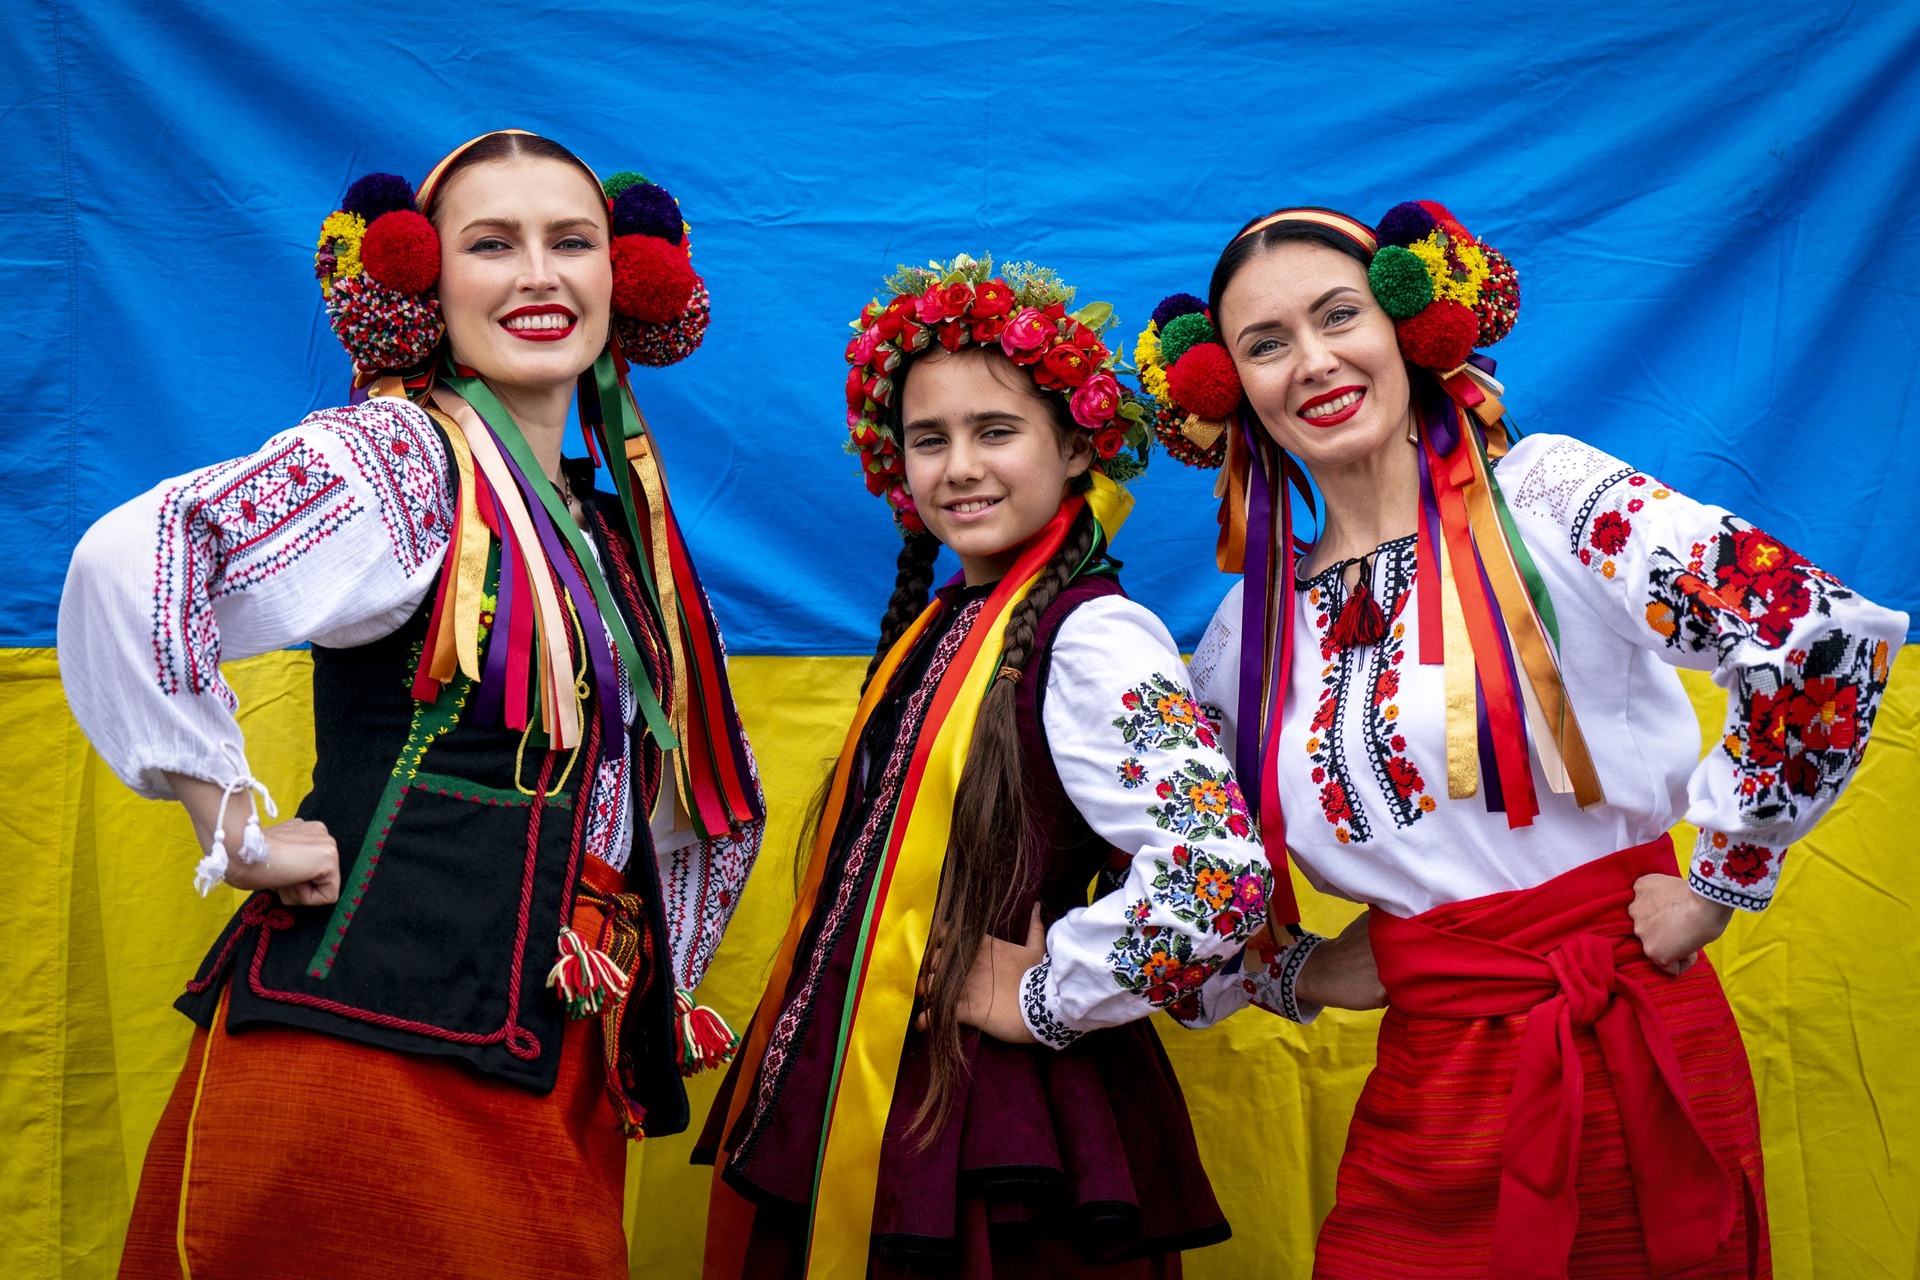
{"points": [[593, 628], [490, 703], [1254, 608], [1496, 799]]}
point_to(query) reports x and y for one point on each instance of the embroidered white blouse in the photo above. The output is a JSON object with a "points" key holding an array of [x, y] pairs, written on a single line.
{"points": [[1643, 580], [1144, 767], [332, 532]]}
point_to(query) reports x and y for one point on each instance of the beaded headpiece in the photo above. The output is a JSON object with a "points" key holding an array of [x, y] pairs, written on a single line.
{"points": [[1022, 312], [378, 262]]}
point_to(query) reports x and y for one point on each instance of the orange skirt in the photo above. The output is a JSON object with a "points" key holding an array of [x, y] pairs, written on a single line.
{"points": [[288, 1153]]}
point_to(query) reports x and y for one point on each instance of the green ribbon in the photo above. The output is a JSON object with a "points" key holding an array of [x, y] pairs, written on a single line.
{"points": [[476, 393]]}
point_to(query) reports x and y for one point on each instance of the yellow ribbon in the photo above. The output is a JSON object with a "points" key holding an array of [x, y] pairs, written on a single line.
{"points": [[856, 1120]]}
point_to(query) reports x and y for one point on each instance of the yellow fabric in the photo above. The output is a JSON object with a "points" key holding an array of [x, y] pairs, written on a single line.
{"points": [[101, 926]]}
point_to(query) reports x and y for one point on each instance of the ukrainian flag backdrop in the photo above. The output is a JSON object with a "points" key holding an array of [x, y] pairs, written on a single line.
{"points": [[1716, 218]]}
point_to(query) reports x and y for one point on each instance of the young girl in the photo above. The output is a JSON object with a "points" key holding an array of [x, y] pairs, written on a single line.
{"points": [[1029, 729], [519, 816], [1462, 708]]}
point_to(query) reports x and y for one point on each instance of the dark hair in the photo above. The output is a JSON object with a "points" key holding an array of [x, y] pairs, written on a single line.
{"points": [[1244, 248], [505, 146], [989, 864]]}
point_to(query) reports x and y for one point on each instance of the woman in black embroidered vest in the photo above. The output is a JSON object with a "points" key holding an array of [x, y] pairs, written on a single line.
{"points": [[1025, 732], [462, 970]]}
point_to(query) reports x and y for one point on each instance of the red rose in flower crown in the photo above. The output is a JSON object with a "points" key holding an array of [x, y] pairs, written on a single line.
{"points": [[1023, 311]]}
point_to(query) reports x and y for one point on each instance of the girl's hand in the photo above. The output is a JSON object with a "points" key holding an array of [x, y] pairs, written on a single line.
{"points": [[1673, 922], [991, 998], [1340, 974]]}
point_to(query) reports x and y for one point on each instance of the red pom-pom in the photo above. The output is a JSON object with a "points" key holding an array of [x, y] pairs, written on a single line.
{"points": [[652, 280], [402, 251], [1204, 381], [1440, 336]]}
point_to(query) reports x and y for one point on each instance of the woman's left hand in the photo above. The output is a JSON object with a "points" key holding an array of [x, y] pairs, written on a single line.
{"points": [[991, 998], [1673, 922]]}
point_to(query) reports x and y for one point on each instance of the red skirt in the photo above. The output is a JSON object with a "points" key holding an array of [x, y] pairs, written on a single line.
{"points": [[302, 1155], [1547, 1102]]}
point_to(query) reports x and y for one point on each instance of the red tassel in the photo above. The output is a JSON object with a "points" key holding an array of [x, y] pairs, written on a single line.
{"points": [[705, 1038], [1360, 621]]}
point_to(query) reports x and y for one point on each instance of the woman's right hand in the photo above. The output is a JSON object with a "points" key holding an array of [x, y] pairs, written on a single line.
{"points": [[1340, 974], [302, 865]]}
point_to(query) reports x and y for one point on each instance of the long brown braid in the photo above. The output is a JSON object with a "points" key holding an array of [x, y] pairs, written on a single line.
{"points": [[989, 860], [912, 577]]}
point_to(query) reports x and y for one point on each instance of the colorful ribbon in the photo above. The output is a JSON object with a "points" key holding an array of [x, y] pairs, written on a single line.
{"points": [[895, 925]]}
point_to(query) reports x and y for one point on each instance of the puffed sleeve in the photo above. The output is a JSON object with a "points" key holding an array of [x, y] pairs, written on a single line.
{"points": [[331, 532], [1804, 659], [1143, 766]]}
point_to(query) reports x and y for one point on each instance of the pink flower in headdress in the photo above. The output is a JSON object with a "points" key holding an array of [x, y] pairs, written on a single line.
{"points": [[1027, 336], [1096, 401], [860, 349]]}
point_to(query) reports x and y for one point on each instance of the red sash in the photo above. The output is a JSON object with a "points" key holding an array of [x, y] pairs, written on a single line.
{"points": [[1557, 954]]}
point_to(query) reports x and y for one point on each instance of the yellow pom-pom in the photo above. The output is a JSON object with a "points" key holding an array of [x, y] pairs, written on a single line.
{"points": [[1457, 267], [340, 237]]}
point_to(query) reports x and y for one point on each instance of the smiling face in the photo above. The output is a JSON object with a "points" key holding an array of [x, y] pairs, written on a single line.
{"points": [[526, 281], [1316, 354], [987, 462]]}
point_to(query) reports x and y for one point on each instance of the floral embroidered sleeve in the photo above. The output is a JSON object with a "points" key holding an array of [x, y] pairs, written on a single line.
{"points": [[1268, 984], [331, 532], [1804, 659], [1144, 767]]}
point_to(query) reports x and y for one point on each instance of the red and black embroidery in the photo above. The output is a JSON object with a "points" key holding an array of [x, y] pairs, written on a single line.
{"points": [[393, 446], [231, 528], [1373, 673], [1399, 778]]}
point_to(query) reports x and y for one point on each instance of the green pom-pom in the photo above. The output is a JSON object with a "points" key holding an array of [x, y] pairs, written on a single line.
{"points": [[1400, 282], [1182, 334], [620, 181]]}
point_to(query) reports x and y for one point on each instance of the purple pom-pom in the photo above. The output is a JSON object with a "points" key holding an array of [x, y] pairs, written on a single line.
{"points": [[379, 193], [645, 209], [1180, 304], [1404, 224]]}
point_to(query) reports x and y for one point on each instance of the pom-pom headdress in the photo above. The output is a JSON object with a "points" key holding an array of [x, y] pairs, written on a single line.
{"points": [[378, 262], [1447, 292], [1021, 311]]}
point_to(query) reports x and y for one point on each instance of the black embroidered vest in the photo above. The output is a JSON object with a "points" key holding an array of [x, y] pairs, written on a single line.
{"points": [[460, 853]]}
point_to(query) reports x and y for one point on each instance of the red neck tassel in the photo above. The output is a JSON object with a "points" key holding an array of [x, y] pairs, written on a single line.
{"points": [[1360, 621]]}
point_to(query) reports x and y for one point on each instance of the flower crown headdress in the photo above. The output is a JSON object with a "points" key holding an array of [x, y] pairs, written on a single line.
{"points": [[1022, 312], [378, 262]]}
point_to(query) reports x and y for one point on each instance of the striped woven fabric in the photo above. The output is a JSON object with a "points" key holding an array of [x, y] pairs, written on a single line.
{"points": [[1421, 1181]]}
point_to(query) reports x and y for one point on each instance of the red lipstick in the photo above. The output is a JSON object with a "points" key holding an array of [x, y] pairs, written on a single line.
{"points": [[1338, 417], [545, 334]]}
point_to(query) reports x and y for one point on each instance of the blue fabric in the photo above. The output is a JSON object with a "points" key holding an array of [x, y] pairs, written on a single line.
{"points": [[1716, 218]]}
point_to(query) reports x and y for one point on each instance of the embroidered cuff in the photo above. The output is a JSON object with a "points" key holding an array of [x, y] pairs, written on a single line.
{"points": [[1272, 987], [1735, 873], [1034, 1010]]}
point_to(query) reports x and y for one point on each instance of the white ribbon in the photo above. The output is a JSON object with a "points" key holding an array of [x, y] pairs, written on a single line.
{"points": [[212, 869]]}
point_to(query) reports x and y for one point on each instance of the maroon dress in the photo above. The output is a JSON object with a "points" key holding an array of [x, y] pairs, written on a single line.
{"points": [[1078, 1162]]}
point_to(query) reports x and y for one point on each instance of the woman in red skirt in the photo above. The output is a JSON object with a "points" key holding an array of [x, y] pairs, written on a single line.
{"points": [[1458, 706]]}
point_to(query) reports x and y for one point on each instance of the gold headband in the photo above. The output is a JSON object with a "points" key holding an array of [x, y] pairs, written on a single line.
{"points": [[433, 179], [1355, 231]]}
